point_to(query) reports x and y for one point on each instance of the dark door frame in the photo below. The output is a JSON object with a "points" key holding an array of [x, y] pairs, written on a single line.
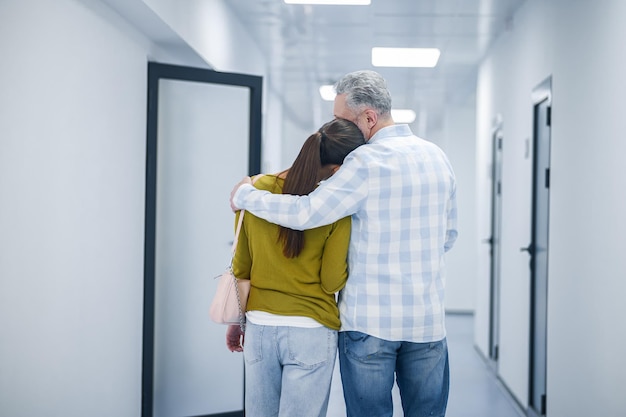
{"points": [[157, 72], [542, 94], [494, 239]]}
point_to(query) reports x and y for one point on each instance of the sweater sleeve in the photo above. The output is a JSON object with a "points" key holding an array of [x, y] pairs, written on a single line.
{"points": [[334, 270], [242, 261]]}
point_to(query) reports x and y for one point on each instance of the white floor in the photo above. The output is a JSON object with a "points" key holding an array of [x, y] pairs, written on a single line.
{"points": [[474, 389]]}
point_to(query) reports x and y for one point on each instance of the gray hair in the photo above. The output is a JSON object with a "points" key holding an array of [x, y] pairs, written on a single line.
{"points": [[365, 89]]}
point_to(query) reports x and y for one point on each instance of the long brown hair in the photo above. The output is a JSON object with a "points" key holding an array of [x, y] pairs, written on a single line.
{"points": [[329, 145]]}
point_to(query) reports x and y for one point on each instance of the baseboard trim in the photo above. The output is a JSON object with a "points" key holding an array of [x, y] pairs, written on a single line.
{"points": [[460, 312], [229, 414]]}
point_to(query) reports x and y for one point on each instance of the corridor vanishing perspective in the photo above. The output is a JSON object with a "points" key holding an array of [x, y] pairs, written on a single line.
{"points": [[475, 391]]}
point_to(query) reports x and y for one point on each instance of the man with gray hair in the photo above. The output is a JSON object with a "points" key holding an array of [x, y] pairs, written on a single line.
{"points": [[400, 191]]}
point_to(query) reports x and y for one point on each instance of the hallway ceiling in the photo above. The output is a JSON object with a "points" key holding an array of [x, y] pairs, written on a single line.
{"points": [[312, 45]]}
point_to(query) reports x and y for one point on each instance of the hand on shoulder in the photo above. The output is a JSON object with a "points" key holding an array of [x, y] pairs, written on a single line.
{"points": [[245, 180]]}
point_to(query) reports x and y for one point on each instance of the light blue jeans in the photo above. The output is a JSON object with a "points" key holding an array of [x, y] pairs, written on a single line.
{"points": [[288, 370], [367, 368]]}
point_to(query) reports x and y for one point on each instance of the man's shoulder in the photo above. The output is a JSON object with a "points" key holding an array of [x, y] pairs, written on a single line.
{"points": [[364, 152]]}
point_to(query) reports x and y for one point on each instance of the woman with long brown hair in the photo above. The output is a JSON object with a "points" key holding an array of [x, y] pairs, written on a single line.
{"points": [[292, 315]]}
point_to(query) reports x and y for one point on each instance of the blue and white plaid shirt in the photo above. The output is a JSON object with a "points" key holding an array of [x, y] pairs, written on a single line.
{"points": [[401, 193]]}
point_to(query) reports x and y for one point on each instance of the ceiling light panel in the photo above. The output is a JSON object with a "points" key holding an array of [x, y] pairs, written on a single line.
{"points": [[328, 92], [331, 2]]}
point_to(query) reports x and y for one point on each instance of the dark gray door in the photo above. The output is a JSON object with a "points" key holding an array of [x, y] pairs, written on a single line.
{"points": [[494, 241], [538, 248], [204, 135]]}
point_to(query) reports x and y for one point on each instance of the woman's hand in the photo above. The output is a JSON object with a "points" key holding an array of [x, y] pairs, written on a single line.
{"points": [[234, 338]]}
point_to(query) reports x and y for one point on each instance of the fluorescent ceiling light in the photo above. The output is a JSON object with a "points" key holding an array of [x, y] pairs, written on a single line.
{"points": [[328, 92], [405, 57], [403, 115], [332, 2]]}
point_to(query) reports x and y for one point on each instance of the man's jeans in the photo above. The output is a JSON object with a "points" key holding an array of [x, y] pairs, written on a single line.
{"points": [[288, 370], [368, 365]]}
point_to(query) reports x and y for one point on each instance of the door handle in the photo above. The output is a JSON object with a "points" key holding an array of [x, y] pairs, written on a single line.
{"points": [[530, 249], [488, 240]]}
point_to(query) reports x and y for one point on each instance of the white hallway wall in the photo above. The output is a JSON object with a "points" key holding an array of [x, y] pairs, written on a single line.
{"points": [[580, 44], [458, 140], [72, 173], [72, 141]]}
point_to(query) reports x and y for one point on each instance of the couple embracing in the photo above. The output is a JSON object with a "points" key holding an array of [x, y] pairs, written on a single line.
{"points": [[367, 210]]}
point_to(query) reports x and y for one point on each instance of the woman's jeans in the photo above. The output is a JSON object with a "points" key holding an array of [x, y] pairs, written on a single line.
{"points": [[288, 370], [367, 368]]}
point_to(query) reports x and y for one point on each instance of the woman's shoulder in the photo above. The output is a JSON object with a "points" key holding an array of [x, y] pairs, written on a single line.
{"points": [[268, 182]]}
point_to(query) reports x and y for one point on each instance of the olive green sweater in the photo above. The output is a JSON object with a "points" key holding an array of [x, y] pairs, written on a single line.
{"points": [[300, 286]]}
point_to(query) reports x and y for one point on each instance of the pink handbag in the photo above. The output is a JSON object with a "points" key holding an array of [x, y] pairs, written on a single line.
{"points": [[231, 296]]}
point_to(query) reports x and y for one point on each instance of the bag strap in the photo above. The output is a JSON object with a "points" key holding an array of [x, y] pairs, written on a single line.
{"points": [[242, 315], [240, 222]]}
